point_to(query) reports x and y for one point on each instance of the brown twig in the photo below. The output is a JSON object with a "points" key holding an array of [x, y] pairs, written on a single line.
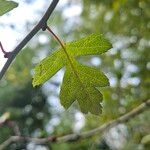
{"points": [[41, 25], [56, 37], [74, 137], [2, 48], [6, 54]]}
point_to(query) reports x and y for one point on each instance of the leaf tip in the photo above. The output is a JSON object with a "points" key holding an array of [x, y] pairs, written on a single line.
{"points": [[107, 82], [35, 82], [110, 45], [15, 4]]}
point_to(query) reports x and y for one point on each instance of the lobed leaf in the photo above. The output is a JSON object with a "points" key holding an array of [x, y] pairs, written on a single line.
{"points": [[6, 6], [80, 82]]}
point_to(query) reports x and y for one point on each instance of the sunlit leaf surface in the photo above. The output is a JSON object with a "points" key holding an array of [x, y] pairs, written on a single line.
{"points": [[80, 82]]}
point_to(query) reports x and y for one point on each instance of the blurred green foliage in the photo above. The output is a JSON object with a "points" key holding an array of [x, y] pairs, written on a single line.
{"points": [[127, 65]]}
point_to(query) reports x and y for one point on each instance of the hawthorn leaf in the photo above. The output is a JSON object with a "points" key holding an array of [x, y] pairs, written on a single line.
{"points": [[6, 6], [80, 82]]}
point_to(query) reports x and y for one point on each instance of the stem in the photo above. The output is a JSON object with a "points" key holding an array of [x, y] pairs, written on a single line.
{"points": [[2, 48], [6, 54], [41, 25], [69, 58], [64, 48], [56, 37]]}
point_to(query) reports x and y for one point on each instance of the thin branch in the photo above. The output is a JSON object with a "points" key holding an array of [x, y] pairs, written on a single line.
{"points": [[2, 48], [41, 25], [75, 137], [26, 139], [6, 54], [106, 126]]}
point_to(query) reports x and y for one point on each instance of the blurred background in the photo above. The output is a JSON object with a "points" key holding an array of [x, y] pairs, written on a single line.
{"points": [[37, 111]]}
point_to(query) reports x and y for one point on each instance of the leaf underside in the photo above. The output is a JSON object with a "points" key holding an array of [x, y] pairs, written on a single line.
{"points": [[80, 82], [6, 6]]}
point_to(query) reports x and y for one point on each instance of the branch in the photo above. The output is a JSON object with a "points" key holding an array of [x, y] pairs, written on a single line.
{"points": [[75, 137], [41, 25]]}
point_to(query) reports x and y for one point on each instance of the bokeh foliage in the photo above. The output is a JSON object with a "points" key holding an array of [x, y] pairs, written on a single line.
{"points": [[126, 24]]}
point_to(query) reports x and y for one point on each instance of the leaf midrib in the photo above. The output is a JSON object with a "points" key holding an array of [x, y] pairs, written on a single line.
{"points": [[71, 60], [88, 47]]}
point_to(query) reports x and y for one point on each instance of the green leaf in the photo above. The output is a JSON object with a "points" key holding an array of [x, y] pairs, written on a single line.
{"points": [[6, 6], [80, 82], [48, 67], [95, 44], [82, 90]]}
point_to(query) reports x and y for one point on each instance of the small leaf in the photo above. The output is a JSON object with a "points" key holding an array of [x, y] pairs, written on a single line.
{"points": [[6, 6], [80, 82]]}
